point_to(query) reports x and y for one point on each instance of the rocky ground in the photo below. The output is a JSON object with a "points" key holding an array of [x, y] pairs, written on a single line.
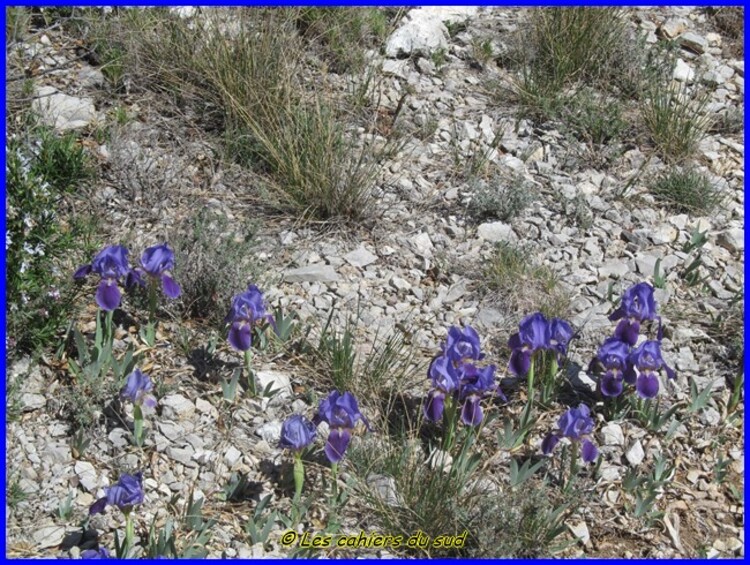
{"points": [[415, 270]]}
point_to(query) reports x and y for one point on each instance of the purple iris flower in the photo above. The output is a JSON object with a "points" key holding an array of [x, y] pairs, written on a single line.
{"points": [[536, 333], [126, 493], [560, 335], [137, 389], [613, 357], [462, 345], [157, 262], [445, 381], [111, 264], [533, 335], [475, 384], [341, 412], [297, 432], [576, 424], [247, 309], [100, 553], [648, 360], [637, 305]]}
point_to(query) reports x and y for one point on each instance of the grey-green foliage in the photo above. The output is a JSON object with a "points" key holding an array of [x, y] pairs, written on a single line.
{"points": [[500, 197], [213, 262]]}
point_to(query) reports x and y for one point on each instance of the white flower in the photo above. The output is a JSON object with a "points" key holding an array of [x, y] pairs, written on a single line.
{"points": [[8, 240]]}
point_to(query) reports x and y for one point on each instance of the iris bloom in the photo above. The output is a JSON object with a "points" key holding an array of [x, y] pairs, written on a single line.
{"points": [[637, 305], [475, 384], [137, 389], [157, 262], [100, 553], [445, 381], [297, 432], [536, 333], [613, 357], [647, 359], [462, 345], [111, 264], [576, 425], [341, 413], [125, 494], [248, 308]]}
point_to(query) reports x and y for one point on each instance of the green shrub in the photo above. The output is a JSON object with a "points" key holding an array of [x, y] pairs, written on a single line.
{"points": [[592, 118], [42, 240], [686, 191]]}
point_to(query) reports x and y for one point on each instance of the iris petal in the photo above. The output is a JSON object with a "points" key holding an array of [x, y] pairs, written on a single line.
{"points": [[549, 443], [647, 385], [433, 408], [520, 361], [82, 271], [589, 451], [108, 295], [471, 413], [98, 506], [240, 337], [338, 441], [611, 385], [171, 288]]}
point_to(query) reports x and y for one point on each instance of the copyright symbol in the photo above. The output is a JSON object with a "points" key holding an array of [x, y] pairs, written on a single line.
{"points": [[288, 538]]}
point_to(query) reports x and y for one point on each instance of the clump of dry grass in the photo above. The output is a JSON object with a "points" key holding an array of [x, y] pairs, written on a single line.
{"points": [[521, 287], [243, 71]]}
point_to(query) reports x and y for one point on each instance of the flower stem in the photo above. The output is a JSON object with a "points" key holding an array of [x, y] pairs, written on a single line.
{"points": [[450, 424], [152, 301], [138, 425], [129, 534], [530, 380], [548, 387], [250, 374], [299, 477], [109, 332], [335, 478]]}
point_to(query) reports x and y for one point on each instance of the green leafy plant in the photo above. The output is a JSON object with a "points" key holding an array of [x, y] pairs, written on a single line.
{"points": [[699, 399], [41, 171], [260, 525], [519, 475]]}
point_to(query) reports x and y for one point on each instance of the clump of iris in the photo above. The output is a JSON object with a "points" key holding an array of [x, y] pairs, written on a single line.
{"points": [[111, 264], [157, 264], [637, 306], [538, 348], [248, 310], [341, 413], [576, 425], [137, 390], [456, 380], [125, 494], [297, 434], [621, 360]]}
